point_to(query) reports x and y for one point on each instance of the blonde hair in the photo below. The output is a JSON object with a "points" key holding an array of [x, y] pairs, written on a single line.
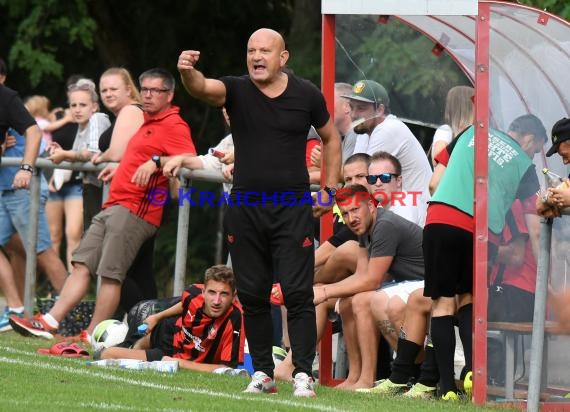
{"points": [[127, 79], [459, 108], [38, 106], [85, 85]]}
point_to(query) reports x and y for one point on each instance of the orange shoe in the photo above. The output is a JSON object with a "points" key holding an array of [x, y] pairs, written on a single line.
{"points": [[35, 326]]}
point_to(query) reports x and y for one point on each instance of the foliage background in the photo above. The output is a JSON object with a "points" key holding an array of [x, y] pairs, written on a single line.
{"points": [[45, 41]]}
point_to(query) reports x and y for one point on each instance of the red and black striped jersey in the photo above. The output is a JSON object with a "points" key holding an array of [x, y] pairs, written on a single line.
{"points": [[201, 338]]}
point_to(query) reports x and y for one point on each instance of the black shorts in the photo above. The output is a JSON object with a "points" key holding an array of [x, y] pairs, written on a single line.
{"points": [[161, 339], [448, 259]]}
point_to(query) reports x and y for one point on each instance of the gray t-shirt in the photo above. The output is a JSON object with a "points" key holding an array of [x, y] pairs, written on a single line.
{"points": [[393, 235], [348, 144]]}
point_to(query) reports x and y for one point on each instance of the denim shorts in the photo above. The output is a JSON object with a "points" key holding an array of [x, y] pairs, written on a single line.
{"points": [[70, 190], [15, 217]]}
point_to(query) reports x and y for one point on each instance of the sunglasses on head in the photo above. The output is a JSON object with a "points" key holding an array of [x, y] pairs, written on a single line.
{"points": [[384, 178]]}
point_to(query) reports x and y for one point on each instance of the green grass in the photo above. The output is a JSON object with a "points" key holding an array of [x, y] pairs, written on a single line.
{"points": [[30, 381]]}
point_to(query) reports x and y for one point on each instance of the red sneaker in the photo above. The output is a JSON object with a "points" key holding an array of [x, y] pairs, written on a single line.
{"points": [[35, 326]]}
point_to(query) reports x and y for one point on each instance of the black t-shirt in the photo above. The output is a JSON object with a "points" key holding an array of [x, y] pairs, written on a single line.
{"points": [[13, 113], [65, 135], [270, 134], [105, 138]]}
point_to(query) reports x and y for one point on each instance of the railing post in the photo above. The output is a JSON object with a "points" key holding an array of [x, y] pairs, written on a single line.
{"points": [[31, 244], [537, 342], [182, 240]]}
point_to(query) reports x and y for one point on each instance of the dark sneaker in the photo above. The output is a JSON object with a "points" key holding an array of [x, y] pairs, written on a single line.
{"points": [[35, 326], [261, 383], [303, 386]]}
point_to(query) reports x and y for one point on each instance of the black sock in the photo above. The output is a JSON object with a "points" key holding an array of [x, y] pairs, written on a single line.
{"points": [[443, 338], [465, 324], [403, 367], [429, 375]]}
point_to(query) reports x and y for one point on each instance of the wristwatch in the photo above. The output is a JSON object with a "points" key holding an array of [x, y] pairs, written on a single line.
{"points": [[156, 160], [27, 168], [331, 191]]}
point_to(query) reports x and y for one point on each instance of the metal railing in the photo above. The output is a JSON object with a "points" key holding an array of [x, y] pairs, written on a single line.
{"points": [[186, 176]]}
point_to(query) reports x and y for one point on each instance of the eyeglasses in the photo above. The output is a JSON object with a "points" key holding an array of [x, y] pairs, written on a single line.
{"points": [[153, 91], [384, 178]]}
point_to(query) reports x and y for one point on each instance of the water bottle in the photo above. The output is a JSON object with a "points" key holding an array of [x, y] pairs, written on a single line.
{"points": [[554, 180], [104, 362], [143, 327], [164, 366]]}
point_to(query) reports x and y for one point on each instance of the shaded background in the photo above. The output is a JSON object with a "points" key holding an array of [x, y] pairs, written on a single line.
{"points": [[45, 41]]}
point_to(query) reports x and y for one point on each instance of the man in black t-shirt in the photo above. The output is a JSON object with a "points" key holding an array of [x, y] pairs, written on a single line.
{"points": [[270, 112], [14, 114]]}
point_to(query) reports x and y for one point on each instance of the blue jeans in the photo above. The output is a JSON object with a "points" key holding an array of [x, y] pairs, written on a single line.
{"points": [[15, 217]]}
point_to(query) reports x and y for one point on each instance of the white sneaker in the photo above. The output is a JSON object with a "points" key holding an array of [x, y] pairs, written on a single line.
{"points": [[261, 383], [303, 386]]}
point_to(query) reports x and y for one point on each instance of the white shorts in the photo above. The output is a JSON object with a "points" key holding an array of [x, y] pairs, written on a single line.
{"points": [[402, 289]]}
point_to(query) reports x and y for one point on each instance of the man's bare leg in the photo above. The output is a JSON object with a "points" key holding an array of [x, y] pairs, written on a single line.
{"points": [[379, 310], [339, 265], [368, 338], [8, 284], [106, 303], [349, 333], [74, 289], [50, 264], [284, 370]]}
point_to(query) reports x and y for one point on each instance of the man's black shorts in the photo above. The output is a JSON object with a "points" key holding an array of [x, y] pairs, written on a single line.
{"points": [[161, 339]]}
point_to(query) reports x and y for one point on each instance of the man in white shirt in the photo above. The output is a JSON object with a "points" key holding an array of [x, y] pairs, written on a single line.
{"points": [[369, 103]]}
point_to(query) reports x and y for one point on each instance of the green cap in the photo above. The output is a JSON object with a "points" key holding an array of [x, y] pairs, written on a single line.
{"points": [[370, 92]]}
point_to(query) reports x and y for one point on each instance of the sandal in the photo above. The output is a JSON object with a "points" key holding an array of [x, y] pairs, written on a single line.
{"points": [[66, 349]]}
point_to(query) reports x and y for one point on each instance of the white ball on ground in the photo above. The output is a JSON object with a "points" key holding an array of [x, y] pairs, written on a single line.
{"points": [[109, 333]]}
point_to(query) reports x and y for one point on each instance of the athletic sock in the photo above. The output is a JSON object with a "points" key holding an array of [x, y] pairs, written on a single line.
{"points": [[19, 309], [465, 325], [403, 367], [429, 375], [443, 338], [50, 320]]}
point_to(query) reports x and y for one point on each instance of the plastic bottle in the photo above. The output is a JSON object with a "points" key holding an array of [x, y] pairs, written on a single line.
{"points": [[104, 362], [142, 328], [555, 180], [164, 366]]}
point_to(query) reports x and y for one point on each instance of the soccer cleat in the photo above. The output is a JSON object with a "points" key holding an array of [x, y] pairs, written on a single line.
{"points": [[468, 384], [303, 386], [35, 326], [386, 387], [261, 383], [5, 319], [450, 396], [420, 391]]}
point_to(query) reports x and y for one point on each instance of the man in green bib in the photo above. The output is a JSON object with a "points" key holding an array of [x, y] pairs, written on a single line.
{"points": [[448, 232]]}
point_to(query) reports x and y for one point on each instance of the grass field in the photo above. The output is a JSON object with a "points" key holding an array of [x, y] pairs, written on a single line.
{"points": [[29, 381]]}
